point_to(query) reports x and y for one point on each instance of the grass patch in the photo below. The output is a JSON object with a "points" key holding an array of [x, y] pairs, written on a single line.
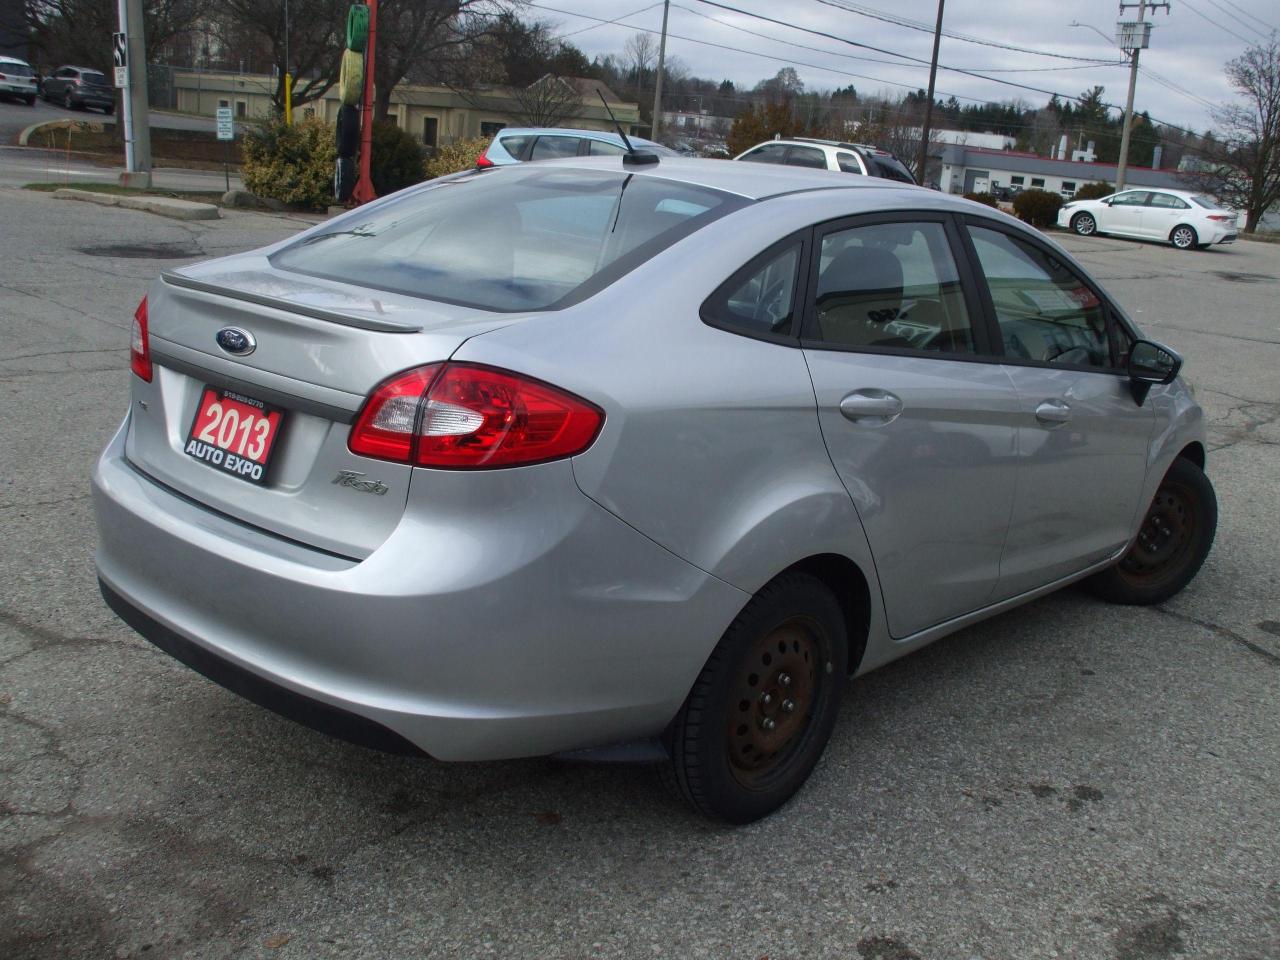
{"points": [[1262, 236], [175, 147], [202, 196]]}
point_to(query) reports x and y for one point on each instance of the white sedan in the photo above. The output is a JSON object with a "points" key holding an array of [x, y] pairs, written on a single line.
{"points": [[1187, 220]]}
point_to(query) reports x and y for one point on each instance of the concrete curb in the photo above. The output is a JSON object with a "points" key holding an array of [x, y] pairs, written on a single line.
{"points": [[60, 124], [163, 206]]}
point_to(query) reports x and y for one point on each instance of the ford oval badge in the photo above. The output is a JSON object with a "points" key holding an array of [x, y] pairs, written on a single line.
{"points": [[236, 341]]}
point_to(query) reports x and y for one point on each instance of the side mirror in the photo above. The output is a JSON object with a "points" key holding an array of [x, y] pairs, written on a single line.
{"points": [[1150, 364]]}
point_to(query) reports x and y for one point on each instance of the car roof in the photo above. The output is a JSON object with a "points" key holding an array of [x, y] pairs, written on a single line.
{"points": [[608, 135], [758, 181], [5, 58]]}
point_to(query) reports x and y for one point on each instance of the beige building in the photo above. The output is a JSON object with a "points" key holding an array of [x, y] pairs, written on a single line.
{"points": [[435, 115]]}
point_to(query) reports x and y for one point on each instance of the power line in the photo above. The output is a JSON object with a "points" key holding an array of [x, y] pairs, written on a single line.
{"points": [[1247, 26], [895, 63], [1208, 19], [1269, 26], [846, 73], [596, 26], [926, 28]]}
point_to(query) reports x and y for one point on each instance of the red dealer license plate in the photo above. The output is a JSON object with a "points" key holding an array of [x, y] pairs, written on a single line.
{"points": [[234, 433]]}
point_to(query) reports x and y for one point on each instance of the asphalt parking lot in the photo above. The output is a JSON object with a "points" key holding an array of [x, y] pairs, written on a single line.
{"points": [[1067, 780]]}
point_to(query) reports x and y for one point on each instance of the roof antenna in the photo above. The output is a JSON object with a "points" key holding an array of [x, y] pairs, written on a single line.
{"points": [[633, 156]]}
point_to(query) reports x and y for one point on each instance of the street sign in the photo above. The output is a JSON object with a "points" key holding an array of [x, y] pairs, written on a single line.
{"points": [[120, 53], [226, 129]]}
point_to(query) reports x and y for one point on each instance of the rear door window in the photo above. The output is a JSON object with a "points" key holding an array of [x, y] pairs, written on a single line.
{"points": [[1167, 201], [553, 148], [600, 148], [807, 157], [891, 285]]}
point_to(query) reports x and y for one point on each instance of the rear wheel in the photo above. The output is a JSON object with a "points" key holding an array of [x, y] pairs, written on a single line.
{"points": [[1084, 224], [1172, 544], [66, 100], [762, 710], [109, 110], [31, 100], [1184, 237]]}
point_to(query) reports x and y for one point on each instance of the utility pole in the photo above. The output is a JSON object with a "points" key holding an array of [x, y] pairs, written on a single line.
{"points": [[137, 126], [1132, 36], [657, 86], [922, 158]]}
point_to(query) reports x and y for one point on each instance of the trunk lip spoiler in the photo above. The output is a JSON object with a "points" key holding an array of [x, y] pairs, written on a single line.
{"points": [[279, 303]]}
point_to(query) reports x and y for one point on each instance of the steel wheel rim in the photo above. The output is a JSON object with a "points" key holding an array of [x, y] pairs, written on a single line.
{"points": [[1165, 538], [1085, 225], [1182, 237], [774, 696]]}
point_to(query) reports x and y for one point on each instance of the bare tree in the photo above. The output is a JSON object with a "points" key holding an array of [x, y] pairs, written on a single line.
{"points": [[313, 37], [428, 41], [1243, 170], [80, 30], [549, 101], [639, 56]]}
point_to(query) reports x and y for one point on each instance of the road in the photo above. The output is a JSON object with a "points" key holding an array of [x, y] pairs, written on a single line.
{"points": [[16, 116], [1069, 780]]}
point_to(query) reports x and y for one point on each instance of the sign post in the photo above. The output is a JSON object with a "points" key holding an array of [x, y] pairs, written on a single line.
{"points": [[227, 133], [129, 53]]}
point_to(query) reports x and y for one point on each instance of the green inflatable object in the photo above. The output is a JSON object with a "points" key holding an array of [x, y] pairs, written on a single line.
{"points": [[357, 27]]}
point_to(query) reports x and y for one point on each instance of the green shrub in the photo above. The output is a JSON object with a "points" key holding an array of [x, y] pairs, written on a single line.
{"points": [[397, 159], [984, 198], [1094, 191], [455, 157], [1037, 207], [291, 164]]}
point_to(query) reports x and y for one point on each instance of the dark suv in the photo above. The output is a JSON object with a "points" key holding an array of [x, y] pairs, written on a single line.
{"points": [[79, 87]]}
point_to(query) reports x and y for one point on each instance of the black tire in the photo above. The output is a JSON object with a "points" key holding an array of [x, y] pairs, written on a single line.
{"points": [[31, 100], [1184, 237], [738, 752], [109, 110], [1172, 544], [344, 179], [67, 102], [1084, 224], [348, 136]]}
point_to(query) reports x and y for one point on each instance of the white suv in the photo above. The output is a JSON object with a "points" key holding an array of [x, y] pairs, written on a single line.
{"points": [[830, 155], [17, 79]]}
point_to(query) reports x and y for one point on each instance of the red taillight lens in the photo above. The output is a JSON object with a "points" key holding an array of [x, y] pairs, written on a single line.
{"points": [[140, 343], [460, 416], [1222, 217], [483, 161]]}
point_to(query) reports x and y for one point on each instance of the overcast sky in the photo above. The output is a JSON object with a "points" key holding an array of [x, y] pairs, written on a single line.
{"points": [[1188, 48]]}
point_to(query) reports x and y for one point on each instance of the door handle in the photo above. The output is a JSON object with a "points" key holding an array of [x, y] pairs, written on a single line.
{"points": [[1053, 413], [871, 407]]}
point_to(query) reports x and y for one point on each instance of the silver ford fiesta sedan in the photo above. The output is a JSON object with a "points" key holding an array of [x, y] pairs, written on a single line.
{"points": [[615, 458]]}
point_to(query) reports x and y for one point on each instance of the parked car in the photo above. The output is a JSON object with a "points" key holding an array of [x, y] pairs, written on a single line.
{"points": [[1190, 221], [521, 144], [830, 155], [615, 459], [18, 80], [79, 87]]}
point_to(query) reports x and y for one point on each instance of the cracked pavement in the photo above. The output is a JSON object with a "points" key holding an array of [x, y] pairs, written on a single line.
{"points": [[1067, 780]]}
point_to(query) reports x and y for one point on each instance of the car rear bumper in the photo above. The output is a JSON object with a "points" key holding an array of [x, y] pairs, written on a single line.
{"points": [[18, 89], [544, 626], [92, 99]]}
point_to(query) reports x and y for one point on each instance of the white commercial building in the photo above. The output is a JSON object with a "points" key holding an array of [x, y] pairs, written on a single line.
{"points": [[968, 169]]}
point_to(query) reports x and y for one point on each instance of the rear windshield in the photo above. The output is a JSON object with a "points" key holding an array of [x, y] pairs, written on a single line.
{"points": [[96, 79], [17, 69], [518, 238], [1205, 202]]}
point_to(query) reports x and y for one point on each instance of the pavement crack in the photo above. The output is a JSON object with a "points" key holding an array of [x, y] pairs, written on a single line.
{"points": [[1221, 631], [46, 503]]}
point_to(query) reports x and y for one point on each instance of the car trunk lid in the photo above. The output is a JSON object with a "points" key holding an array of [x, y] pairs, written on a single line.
{"points": [[318, 348]]}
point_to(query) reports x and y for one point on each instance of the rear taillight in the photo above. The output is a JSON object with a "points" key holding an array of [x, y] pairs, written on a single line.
{"points": [[460, 416], [140, 343], [1222, 217], [483, 162]]}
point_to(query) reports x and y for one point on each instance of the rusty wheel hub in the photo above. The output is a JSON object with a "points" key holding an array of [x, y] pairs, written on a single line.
{"points": [[773, 699], [1164, 537]]}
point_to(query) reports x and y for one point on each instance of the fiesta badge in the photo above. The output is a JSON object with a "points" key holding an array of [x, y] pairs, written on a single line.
{"points": [[236, 341]]}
